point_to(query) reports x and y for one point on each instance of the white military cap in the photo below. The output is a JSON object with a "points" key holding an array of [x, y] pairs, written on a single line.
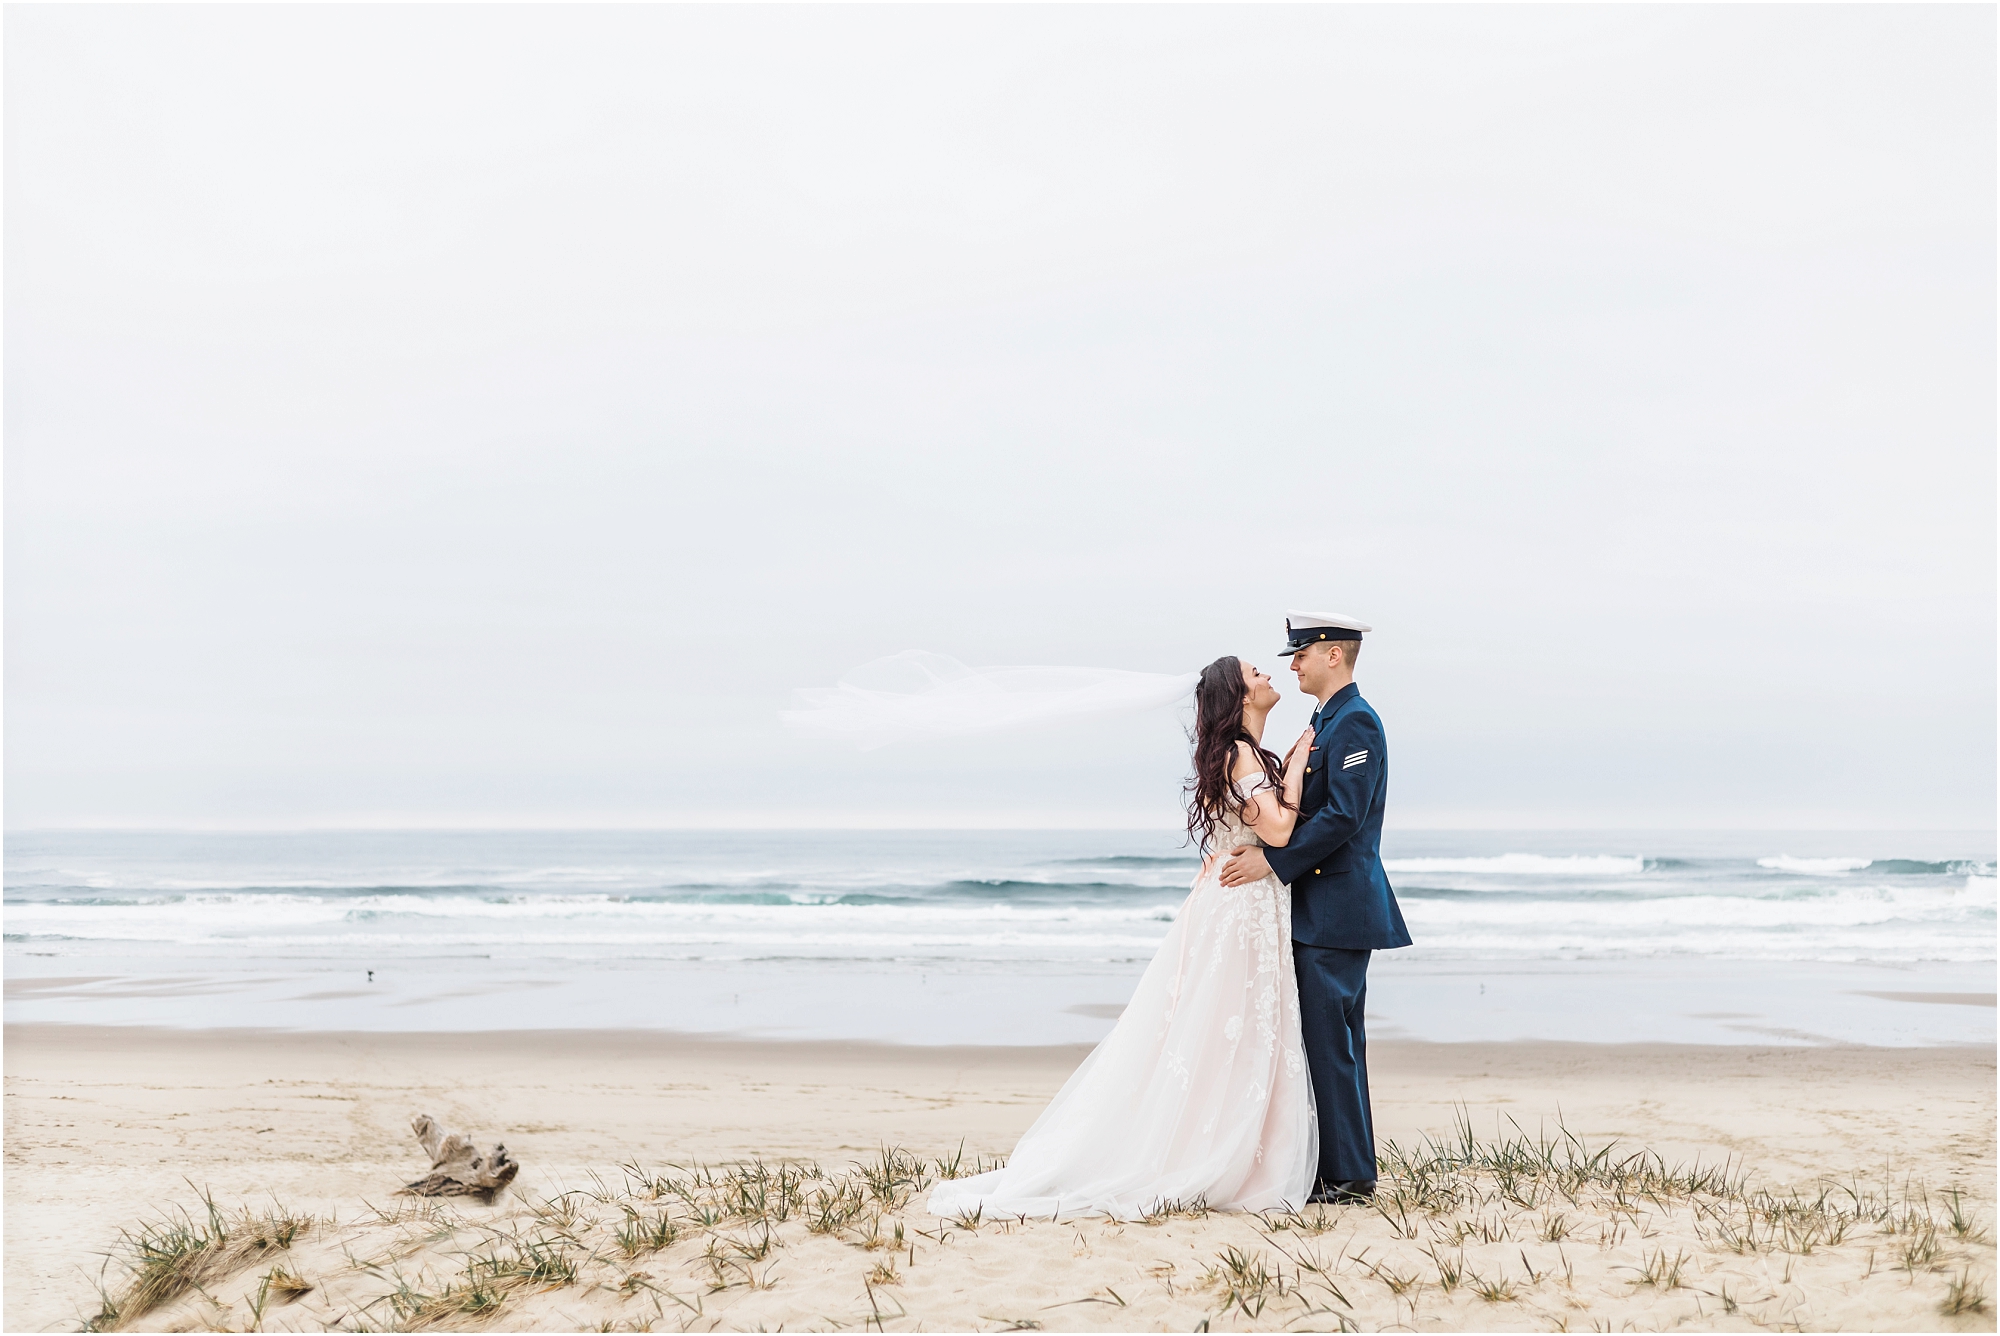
{"points": [[1309, 628]]}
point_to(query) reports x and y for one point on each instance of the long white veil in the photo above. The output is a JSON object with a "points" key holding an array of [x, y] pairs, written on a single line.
{"points": [[917, 694]]}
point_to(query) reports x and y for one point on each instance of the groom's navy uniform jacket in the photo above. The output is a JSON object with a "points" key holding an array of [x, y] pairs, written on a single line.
{"points": [[1340, 894]]}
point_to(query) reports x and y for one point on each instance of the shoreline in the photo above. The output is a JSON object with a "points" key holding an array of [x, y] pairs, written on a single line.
{"points": [[1410, 998], [715, 1040], [105, 1126]]}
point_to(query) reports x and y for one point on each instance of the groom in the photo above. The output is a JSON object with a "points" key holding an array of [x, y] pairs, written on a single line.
{"points": [[1342, 907]]}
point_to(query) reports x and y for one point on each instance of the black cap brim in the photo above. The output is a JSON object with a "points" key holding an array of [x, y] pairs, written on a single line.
{"points": [[1331, 634]]}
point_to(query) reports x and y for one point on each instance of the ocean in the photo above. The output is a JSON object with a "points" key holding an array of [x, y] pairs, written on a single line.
{"points": [[441, 930]]}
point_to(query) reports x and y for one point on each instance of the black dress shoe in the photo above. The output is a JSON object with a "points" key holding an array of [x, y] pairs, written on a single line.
{"points": [[1344, 1194]]}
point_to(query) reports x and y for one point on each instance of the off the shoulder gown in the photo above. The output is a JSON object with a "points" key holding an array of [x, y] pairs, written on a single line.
{"points": [[1199, 1092]]}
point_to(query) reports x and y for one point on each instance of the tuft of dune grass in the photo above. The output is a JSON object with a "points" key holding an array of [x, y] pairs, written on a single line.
{"points": [[178, 1253]]}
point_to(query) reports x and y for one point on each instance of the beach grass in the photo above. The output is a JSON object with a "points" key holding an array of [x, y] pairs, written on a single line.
{"points": [[1466, 1231], [182, 1251]]}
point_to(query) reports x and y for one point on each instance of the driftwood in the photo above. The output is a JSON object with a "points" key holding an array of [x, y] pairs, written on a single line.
{"points": [[457, 1170]]}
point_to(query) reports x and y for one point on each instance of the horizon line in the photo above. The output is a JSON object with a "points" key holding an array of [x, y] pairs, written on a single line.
{"points": [[489, 828]]}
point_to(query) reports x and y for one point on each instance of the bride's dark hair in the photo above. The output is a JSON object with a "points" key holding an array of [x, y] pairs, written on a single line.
{"points": [[1219, 698]]}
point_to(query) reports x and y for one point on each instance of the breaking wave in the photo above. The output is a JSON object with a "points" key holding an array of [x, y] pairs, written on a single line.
{"points": [[1022, 896]]}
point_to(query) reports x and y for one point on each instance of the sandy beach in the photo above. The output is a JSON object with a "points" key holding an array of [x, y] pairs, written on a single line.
{"points": [[107, 1128]]}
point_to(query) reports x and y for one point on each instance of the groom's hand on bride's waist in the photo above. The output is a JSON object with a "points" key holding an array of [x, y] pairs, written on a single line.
{"points": [[1245, 866]]}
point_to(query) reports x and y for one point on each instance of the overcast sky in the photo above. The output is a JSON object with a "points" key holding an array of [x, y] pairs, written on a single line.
{"points": [[486, 416]]}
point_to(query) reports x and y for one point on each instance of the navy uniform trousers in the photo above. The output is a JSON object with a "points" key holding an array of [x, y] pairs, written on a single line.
{"points": [[1333, 991]]}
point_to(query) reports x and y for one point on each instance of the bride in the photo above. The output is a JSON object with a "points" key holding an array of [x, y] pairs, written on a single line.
{"points": [[1200, 1092]]}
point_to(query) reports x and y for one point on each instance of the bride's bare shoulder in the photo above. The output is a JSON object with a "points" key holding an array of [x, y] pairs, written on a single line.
{"points": [[1245, 763]]}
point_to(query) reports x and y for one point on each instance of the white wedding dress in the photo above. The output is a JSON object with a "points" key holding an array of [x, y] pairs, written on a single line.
{"points": [[1200, 1091]]}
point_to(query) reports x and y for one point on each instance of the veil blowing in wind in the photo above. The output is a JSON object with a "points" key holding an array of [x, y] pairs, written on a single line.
{"points": [[917, 695]]}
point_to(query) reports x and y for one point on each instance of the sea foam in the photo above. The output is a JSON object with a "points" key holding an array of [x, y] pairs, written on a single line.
{"points": [[1525, 865], [1786, 863]]}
